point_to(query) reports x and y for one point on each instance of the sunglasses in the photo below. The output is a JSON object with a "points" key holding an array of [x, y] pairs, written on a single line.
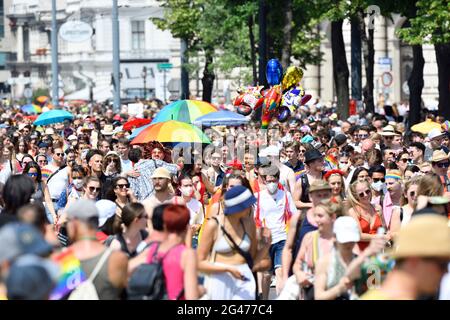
{"points": [[42, 161], [94, 189], [412, 194], [123, 186], [378, 179], [404, 160], [302, 151], [364, 193], [389, 138], [363, 136], [59, 154], [443, 165], [112, 160], [32, 174]]}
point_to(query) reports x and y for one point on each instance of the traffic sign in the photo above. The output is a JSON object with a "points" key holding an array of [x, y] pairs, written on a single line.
{"points": [[165, 66], [28, 93], [385, 60], [386, 79]]}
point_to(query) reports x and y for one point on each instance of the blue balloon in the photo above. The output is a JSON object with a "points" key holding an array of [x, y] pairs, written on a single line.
{"points": [[274, 72], [283, 114]]}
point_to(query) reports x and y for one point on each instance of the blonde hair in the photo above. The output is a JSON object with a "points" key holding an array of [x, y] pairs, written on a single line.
{"points": [[413, 181], [332, 207], [352, 196], [430, 185]]}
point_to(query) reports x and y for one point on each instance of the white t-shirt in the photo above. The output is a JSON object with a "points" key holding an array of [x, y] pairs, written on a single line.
{"points": [[271, 211], [58, 183], [445, 286], [127, 165]]}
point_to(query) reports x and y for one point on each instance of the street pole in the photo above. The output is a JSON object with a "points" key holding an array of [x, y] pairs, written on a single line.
{"points": [[164, 71], [184, 71], [116, 56], [54, 43]]}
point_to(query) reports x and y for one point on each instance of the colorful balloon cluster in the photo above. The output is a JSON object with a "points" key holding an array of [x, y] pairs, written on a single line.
{"points": [[283, 97]]}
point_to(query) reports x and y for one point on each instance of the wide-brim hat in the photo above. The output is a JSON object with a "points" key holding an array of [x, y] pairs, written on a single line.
{"points": [[161, 172], [426, 235], [319, 185], [439, 155], [388, 131], [108, 131], [238, 199]]}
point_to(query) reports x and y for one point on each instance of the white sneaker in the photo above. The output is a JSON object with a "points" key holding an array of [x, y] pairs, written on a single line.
{"points": [[273, 283]]}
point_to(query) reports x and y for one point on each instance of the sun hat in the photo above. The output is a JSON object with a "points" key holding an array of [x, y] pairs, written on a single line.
{"points": [[435, 133], [161, 173], [112, 153], [49, 131], [439, 155], [388, 131], [312, 155], [18, 239], [31, 278], [426, 235], [72, 137], [106, 209], [108, 131], [270, 151], [82, 209], [238, 199], [346, 230], [319, 185]]}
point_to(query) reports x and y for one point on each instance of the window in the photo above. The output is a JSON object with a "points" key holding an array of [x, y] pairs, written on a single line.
{"points": [[137, 35]]}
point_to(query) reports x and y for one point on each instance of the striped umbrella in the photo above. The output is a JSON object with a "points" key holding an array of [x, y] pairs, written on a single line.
{"points": [[184, 111], [31, 108], [171, 132]]}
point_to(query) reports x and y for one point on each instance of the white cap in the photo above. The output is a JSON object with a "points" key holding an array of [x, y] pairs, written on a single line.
{"points": [[106, 209], [346, 230], [434, 133], [270, 151], [72, 137], [49, 131]]}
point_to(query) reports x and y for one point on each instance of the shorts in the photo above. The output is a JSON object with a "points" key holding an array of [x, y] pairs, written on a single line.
{"points": [[276, 251]]}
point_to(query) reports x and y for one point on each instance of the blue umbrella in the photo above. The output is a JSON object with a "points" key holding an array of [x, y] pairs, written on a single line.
{"points": [[53, 116], [137, 131], [221, 118]]}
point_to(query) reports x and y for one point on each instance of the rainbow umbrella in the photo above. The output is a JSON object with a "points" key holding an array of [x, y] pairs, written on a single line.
{"points": [[184, 111], [171, 132], [42, 99], [31, 108]]}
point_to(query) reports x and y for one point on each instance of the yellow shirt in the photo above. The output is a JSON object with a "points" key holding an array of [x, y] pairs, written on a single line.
{"points": [[374, 294]]}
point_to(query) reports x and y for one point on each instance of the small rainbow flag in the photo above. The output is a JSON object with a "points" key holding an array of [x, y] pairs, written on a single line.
{"points": [[46, 173], [332, 161], [71, 274]]}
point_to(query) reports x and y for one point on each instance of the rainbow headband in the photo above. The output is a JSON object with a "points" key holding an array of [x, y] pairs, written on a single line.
{"points": [[393, 176]]}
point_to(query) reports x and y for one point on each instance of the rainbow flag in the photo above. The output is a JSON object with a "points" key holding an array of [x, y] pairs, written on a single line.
{"points": [[46, 173], [332, 161], [71, 274]]}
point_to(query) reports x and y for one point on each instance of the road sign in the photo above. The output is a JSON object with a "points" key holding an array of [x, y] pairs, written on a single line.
{"points": [[28, 93], [386, 79], [385, 60], [165, 66]]}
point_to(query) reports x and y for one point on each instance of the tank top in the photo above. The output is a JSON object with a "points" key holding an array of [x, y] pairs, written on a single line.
{"points": [[366, 228], [38, 195], [105, 289], [304, 229], [173, 273]]}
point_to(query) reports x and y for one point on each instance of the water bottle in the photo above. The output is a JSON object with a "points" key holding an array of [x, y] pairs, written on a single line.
{"points": [[381, 231]]}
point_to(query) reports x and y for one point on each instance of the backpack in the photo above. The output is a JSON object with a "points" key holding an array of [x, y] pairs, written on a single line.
{"points": [[147, 282], [87, 290]]}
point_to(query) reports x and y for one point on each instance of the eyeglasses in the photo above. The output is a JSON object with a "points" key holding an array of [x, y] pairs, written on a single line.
{"points": [[363, 136], [302, 151], [42, 161], [412, 194], [112, 160], [404, 160], [378, 179], [32, 174], [364, 193], [123, 186], [94, 189], [59, 154]]}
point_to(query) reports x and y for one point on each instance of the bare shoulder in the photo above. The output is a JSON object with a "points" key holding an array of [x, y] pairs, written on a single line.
{"points": [[118, 258]]}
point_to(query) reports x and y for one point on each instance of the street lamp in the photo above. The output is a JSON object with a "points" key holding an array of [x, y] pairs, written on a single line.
{"points": [[144, 76]]}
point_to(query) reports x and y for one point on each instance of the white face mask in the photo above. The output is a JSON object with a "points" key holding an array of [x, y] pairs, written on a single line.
{"points": [[78, 183], [186, 191], [378, 186], [272, 187]]}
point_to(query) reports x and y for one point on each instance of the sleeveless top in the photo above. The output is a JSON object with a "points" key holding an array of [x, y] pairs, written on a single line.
{"points": [[123, 245], [336, 271], [105, 289], [366, 228], [223, 245], [173, 273], [306, 227]]}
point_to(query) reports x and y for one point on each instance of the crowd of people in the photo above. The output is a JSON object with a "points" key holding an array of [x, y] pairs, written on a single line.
{"points": [[314, 208]]}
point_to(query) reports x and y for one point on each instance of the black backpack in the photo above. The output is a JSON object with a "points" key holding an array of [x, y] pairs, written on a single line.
{"points": [[147, 281]]}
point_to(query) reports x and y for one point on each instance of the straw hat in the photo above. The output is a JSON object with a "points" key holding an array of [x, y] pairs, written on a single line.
{"points": [[426, 235], [319, 185], [439, 155], [388, 131]]}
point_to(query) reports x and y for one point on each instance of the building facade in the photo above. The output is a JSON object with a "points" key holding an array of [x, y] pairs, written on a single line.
{"points": [[86, 66]]}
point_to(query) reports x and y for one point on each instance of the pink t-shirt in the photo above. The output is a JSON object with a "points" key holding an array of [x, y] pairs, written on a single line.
{"points": [[173, 273]]}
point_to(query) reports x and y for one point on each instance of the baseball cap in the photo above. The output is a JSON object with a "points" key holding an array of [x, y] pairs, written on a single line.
{"points": [[340, 139], [82, 209], [19, 238], [270, 151], [238, 199], [49, 131], [43, 145], [346, 230], [161, 173], [106, 209], [72, 137], [31, 278], [426, 235]]}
